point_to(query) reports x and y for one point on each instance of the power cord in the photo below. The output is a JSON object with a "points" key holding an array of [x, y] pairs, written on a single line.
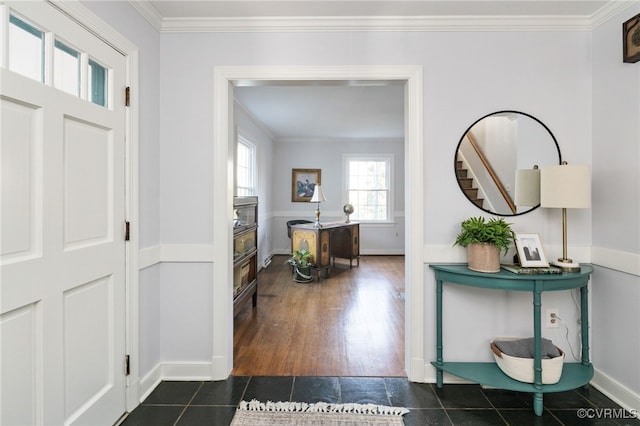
{"points": [[566, 336]]}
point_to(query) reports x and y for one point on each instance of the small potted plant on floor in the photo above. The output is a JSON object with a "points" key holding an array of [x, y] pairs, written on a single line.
{"points": [[300, 260], [485, 240]]}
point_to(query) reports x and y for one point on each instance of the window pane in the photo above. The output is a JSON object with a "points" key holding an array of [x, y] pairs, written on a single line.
{"points": [[66, 68], [26, 49], [244, 168], [98, 83], [368, 189]]}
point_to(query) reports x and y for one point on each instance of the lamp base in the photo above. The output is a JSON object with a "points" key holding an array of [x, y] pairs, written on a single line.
{"points": [[567, 265], [317, 224]]}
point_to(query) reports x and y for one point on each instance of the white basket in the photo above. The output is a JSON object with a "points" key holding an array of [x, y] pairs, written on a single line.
{"points": [[521, 369]]}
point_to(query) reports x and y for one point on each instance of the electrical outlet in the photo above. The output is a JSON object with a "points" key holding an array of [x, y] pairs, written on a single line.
{"points": [[552, 320]]}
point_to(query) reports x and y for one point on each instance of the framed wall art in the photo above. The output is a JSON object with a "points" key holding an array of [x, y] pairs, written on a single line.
{"points": [[631, 40], [303, 182], [530, 251]]}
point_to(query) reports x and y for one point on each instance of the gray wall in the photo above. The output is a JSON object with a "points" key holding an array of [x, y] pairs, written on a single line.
{"points": [[573, 81], [616, 208]]}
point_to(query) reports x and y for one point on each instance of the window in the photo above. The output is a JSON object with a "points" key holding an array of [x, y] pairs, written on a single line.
{"points": [[245, 167], [26, 49], [368, 185], [44, 57], [97, 83], [66, 68]]}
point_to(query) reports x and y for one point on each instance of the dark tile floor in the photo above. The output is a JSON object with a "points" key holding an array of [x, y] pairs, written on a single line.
{"points": [[214, 403]]}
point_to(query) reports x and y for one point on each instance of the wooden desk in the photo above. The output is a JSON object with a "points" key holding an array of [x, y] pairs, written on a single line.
{"points": [[337, 239]]}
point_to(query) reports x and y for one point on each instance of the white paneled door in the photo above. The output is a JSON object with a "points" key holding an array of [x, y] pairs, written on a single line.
{"points": [[62, 252]]}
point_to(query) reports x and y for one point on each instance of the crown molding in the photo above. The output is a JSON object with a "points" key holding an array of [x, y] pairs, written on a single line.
{"points": [[379, 23], [610, 10], [148, 12]]}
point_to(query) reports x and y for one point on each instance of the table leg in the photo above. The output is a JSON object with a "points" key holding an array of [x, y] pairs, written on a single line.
{"points": [[584, 323], [537, 349], [537, 403], [439, 374]]}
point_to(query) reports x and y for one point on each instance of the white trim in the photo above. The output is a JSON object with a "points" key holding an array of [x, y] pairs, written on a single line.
{"points": [[222, 359], [186, 252], [379, 23], [149, 256], [148, 12], [187, 371], [376, 23], [338, 214], [78, 12], [617, 392], [192, 253], [617, 260]]}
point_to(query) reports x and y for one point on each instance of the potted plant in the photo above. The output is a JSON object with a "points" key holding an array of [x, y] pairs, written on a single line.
{"points": [[485, 240], [300, 260]]}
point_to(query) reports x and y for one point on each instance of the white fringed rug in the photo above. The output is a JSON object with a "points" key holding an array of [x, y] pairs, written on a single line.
{"points": [[256, 413]]}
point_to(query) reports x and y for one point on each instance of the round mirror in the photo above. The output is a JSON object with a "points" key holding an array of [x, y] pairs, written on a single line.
{"points": [[498, 159]]}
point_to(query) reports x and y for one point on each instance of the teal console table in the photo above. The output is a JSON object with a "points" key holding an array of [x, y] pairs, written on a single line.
{"points": [[573, 376]]}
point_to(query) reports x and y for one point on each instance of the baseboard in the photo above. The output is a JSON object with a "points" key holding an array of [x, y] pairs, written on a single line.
{"points": [[149, 382], [617, 392], [185, 371]]}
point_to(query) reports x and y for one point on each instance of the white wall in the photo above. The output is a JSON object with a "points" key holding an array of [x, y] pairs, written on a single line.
{"points": [[122, 17], [466, 75], [616, 212], [263, 141], [327, 155]]}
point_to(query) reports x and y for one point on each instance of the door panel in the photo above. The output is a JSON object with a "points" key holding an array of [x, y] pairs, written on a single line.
{"points": [[21, 403], [21, 152], [88, 158], [62, 293]]}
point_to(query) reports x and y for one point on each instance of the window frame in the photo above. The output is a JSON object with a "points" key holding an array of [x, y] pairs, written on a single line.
{"points": [[51, 44], [246, 141], [389, 159]]}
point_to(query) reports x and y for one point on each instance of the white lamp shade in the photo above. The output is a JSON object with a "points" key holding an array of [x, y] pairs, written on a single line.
{"points": [[565, 186], [527, 187], [318, 195]]}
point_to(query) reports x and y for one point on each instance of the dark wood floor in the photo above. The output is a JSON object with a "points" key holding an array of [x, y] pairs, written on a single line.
{"points": [[349, 324]]}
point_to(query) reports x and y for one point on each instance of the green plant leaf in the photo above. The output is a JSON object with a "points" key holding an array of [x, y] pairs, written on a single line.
{"points": [[479, 230]]}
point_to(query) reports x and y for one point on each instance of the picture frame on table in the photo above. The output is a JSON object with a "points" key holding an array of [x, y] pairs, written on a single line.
{"points": [[631, 40], [530, 251], [303, 182]]}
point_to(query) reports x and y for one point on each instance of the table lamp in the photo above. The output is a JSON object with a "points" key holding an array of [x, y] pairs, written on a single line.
{"points": [[527, 187], [318, 197], [567, 186]]}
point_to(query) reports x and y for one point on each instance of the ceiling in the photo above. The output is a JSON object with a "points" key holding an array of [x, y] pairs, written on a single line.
{"points": [[323, 112], [354, 110]]}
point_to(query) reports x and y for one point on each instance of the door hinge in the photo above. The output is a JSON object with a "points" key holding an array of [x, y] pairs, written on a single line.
{"points": [[127, 365], [127, 96], [127, 231]]}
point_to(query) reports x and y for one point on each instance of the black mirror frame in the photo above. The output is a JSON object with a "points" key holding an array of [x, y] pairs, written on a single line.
{"points": [[455, 156]]}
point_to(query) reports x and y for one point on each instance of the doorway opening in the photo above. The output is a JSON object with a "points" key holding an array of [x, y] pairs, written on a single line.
{"points": [[225, 78]]}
